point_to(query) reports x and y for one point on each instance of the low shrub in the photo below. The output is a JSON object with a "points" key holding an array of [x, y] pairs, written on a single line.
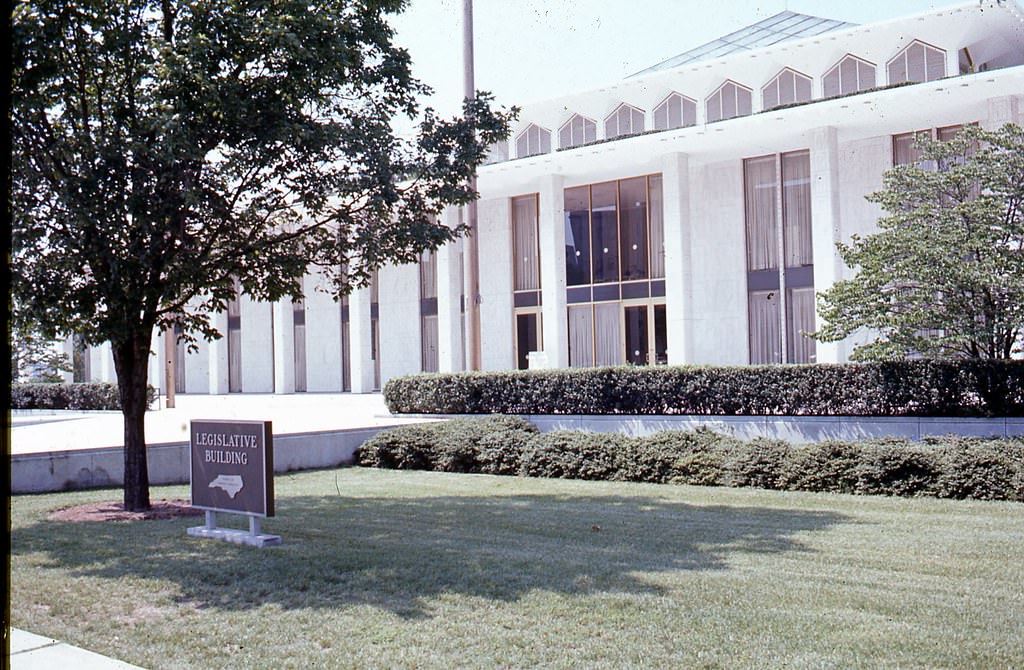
{"points": [[898, 388], [897, 467], [78, 396], [486, 444], [827, 466], [981, 470], [950, 467], [761, 464], [570, 454]]}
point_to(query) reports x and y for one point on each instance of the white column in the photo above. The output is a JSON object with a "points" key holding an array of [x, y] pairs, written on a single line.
{"points": [[218, 353], [360, 347], [678, 258], [825, 226], [450, 348], [107, 373], [284, 346], [554, 324]]}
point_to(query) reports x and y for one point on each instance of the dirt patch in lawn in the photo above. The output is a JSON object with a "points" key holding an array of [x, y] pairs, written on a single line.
{"points": [[115, 511]]}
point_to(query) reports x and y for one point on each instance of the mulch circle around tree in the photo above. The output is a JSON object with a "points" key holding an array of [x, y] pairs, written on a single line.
{"points": [[115, 511]]}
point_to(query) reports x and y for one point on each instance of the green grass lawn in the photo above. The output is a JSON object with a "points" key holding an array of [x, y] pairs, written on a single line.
{"points": [[431, 570]]}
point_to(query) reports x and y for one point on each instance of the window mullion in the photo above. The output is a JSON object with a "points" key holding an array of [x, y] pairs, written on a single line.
{"points": [[780, 247]]}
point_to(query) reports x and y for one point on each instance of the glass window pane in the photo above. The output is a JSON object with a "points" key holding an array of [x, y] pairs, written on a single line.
{"points": [[633, 228], [848, 73], [770, 95], [577, 235], [898, 69], [689, 112], [714, 107], [526, 339], [636, 335], [743, 103], [765, 327], [729, 109], [796, 208], [660, 335], [903, 150], [865, 76], [831, 83], [657, 226], [799, 320], [759, 183], [581, 336], [526, 268], [608, 348], [429, 340], [803, 89], [935, 64], [604, 233], [915, 63]]}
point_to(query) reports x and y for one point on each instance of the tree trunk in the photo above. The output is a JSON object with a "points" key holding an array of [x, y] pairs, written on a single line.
{"points": [[131, 360]]}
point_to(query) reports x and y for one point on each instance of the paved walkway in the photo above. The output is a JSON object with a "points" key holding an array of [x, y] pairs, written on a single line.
{"points": [[43, 431], [35, 652]]}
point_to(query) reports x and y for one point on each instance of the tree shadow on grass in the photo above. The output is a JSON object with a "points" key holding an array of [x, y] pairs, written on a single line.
{"points": [[399, 554]]}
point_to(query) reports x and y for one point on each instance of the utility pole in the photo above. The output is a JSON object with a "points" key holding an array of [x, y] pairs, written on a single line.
{"points": [[472, 248]]}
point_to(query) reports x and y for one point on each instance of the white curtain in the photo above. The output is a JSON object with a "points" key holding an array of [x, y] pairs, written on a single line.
{"points": [[524, 226], [759, 179], [796, 208], [608, 348], [800, 305], [765, 327], [581, 336]]}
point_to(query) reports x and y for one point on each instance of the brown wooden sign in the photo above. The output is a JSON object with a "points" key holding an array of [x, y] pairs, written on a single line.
{"points": [[233, 466]]}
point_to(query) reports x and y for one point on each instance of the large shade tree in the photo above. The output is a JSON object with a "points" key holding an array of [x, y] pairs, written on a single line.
{"points": [[164, 150], [944, 275]]}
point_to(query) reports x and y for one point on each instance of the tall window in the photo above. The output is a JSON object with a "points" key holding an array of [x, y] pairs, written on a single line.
{"points": [[576, 131], [919, 62], [780, 296], [626, 120], [532, 141], [611, 232], [904, 150], [675, 111], [235, 341], [525, 243], [428, 312], [614, 268], [299, 349], [526, 278], [788, 87], [849, 75], [729, 101]]}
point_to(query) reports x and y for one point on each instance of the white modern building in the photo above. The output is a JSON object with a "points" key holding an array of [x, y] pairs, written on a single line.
{"points": [[686, 214]]}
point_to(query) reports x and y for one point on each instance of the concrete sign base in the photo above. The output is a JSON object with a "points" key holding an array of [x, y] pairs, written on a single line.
{"points": [[253, 537]]}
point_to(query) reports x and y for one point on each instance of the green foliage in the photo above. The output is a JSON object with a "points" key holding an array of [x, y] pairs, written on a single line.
{"points": [[895, 388], [570, 454], [85, 396], [33, 358], [944, 276], [949, 467], [168, 154], [487, 444], [826, 466]]}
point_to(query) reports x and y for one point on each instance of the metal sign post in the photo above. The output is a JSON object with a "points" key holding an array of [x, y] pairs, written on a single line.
{"points": [[232, 470]]}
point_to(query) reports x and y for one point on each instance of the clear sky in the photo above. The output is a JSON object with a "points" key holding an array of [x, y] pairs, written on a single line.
{"points": [[529, 50]]}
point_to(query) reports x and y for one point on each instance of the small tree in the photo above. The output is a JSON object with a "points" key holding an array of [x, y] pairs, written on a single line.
{"points": [[944, 276], [163, 150]]}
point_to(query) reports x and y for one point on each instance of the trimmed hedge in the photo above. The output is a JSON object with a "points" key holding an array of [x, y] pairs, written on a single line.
{"points": [[84, 396], [951, 467], [904, 388]]}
